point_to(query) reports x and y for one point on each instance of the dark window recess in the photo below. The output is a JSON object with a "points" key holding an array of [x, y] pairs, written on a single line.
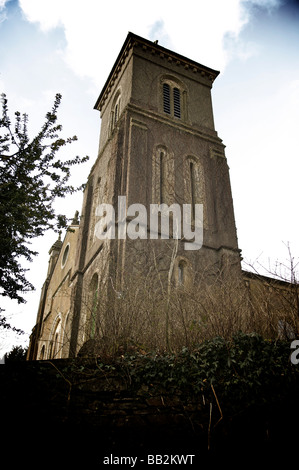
{"points": [[192, 181], [115, 114], [166, 98], [176, 103], [161, 177], [65, 255]]}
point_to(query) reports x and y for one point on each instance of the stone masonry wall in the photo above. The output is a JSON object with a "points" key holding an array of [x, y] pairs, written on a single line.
{"points": [[70, 412]]}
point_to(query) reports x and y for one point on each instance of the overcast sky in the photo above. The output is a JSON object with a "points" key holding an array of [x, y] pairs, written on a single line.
{"points": [[69, 46]]}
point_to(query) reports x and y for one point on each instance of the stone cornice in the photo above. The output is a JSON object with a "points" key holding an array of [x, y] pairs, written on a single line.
{"points": [[153, 48], [182, 126]]}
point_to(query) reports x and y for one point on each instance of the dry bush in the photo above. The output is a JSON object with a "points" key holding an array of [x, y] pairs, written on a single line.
{"points": [[147, 316], [150, 314]]}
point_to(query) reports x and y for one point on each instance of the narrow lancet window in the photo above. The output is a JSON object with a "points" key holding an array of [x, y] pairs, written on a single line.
{"points": [[162, 196], [192, 190], [181, 273], [176, 103], [54, 343], [166, 98], [173, 100], [115, 113]]}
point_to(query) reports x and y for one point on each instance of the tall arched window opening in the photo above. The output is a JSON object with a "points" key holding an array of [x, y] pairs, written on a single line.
{"points": [[55, 343], [42, 353], [162, 177], [115, 111], [66, 335], [177, 103], [166, 98], [194, 186], [173, 98], [181, 273], [192, 189]]}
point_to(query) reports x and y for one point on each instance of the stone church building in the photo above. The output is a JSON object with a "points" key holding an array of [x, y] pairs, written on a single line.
{"points": [[158, 144]]}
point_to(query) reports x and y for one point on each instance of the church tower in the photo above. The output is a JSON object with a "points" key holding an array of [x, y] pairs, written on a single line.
{"points": [[158, 145]]}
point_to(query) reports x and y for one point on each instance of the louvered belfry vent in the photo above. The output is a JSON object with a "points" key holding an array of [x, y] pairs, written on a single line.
{"points": [[176, 103], [166, 98]]}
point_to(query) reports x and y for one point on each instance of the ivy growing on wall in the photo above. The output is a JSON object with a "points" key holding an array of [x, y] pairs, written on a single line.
{"points": [[244, 371]]}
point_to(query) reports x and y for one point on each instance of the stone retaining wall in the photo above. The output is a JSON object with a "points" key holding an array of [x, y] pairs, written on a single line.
{"points": [[73, 413]]}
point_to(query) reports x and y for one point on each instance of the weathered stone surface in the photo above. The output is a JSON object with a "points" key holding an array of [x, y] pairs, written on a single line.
{"points": [[136, 132]]}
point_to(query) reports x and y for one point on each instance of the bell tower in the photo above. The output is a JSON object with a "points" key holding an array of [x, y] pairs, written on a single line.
{"points": [[158, 145]]}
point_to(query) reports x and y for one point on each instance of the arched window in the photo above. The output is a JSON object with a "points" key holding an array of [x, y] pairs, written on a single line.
{"points": [[55, 343], [65, 255], [65, 335], [42, 353], [166, 98], [194, 184], [115, 111], [162, 176], [177, 103], [173, 97], [162, 162], [181, 273]]}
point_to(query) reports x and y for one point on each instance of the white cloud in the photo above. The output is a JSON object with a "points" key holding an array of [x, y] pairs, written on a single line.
{"points": [[94, 30], [3, 16], [48, 14], [2, 4], [268, 5]]}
